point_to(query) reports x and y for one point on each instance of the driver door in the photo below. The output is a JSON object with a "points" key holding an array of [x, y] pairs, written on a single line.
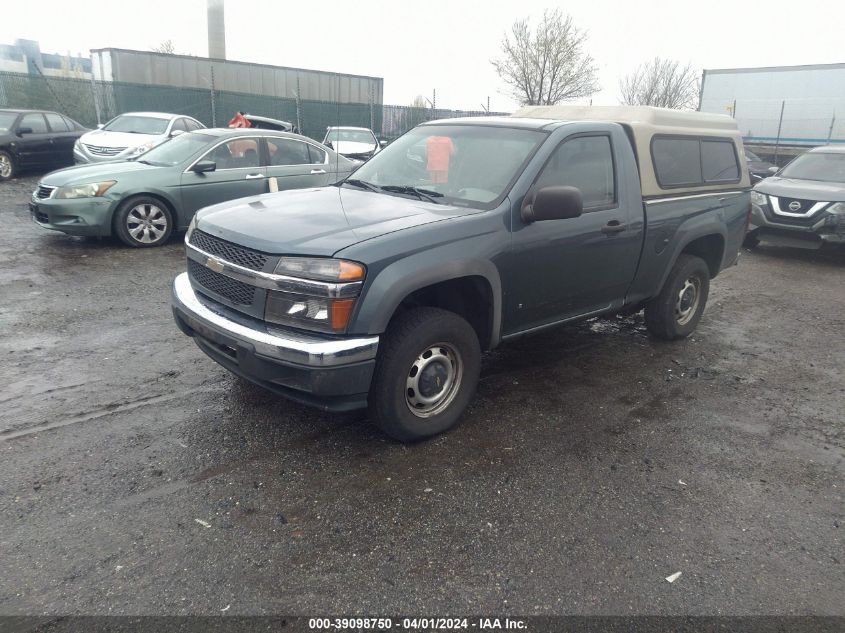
{"points": [[566, 268]]}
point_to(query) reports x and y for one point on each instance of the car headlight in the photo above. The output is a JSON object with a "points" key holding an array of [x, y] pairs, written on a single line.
{"points": [[89, 190], [838, 208], [191, 228], [758, 198], [309, 310]]}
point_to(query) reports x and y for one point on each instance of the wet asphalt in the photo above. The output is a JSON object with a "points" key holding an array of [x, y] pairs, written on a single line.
{"points": [[139, 477]]}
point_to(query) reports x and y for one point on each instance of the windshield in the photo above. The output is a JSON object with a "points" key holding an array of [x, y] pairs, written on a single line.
{"points": [[825, 166], [137, 124], [351, 136], [468, 165], [7, 120], [177, 149], [751, 156]]}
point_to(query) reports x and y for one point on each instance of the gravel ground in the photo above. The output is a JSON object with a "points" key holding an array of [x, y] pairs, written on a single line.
{"points": [[138, 477]]}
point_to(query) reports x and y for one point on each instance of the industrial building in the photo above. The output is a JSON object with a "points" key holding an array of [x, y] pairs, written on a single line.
{"points": [[183, 71]]}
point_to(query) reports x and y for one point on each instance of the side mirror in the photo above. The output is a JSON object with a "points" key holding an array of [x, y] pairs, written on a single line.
{"points": [[204, 166], [329, 144], [100, 126], [553, 203], [773, 169], [176, 133], [24, 130], [383, 142]]}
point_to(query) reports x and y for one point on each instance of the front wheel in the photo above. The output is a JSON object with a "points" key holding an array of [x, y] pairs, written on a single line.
{"points": [[143, 221], [425, 375], [7, 166], [676, 311]]}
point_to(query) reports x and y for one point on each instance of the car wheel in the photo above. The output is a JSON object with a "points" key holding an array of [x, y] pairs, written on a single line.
{"points": [[143, 221], [676, 311], [426, 373], [7, 166]]}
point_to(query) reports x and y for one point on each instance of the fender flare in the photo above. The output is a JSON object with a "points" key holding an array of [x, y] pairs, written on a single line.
{"points": [[393, 284], [693, 229]]}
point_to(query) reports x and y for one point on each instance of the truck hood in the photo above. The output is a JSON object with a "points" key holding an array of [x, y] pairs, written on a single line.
{"points": [[317, 221], [94, 172], [101, 138], [802, 189]]}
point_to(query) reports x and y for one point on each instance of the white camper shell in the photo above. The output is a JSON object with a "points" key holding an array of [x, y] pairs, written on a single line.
{"points": [[668, 144]]}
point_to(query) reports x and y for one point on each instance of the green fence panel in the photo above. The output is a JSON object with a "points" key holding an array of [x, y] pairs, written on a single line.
{"points": [[81, 99]]}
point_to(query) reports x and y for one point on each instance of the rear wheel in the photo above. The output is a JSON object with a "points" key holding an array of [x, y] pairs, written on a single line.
{"points": [[7, 166], [425, 375], [676, 311], [143, 221]]}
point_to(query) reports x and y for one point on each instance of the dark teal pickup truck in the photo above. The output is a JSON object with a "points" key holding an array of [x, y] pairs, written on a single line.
{"points": [[383, 291]]}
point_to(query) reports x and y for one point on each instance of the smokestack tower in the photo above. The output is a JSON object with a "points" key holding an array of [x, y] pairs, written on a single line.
{"points": [[216, 30]]}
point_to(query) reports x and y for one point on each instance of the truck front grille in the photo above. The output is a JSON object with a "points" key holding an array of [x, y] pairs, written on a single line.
{"points": [[228, 251], [234, 291]]}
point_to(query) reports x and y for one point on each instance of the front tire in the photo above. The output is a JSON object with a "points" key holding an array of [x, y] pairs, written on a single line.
{"points": [[676, 311], [426, 374], [143, 222], [8, 169]]}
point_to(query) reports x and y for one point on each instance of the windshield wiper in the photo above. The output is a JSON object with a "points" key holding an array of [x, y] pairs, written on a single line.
{"points": [[423, 194], [361, 184]]}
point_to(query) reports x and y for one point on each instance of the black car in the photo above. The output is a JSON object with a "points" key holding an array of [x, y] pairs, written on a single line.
{"points": [[33, 138], [757, 167]]}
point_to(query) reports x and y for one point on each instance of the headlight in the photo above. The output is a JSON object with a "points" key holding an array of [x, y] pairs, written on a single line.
{"points": [[312, 311], [90, 190], [838, 208], [191, 228], [759, 198], [320, 268]]}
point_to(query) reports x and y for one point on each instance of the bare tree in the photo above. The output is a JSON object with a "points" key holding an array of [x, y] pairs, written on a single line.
{"points": [[165, 47], [546, 65], [663, 83]]}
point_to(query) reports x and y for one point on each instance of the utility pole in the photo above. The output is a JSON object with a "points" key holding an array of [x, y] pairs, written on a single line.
{"points": [[780, 125], [830, 130]]}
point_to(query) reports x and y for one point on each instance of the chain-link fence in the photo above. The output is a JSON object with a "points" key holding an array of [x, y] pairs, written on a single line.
{"points": [[91, 102]]}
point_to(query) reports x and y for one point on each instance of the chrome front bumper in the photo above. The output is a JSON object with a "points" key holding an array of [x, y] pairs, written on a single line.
{"points": [[273, 344]]}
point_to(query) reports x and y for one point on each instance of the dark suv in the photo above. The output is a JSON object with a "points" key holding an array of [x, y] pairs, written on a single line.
{"points": [[33, 138]]}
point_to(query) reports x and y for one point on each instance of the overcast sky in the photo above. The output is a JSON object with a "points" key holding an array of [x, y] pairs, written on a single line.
{"points": [[444, 45]]}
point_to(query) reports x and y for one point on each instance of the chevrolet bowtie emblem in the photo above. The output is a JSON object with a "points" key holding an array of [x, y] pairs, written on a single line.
{"points": [[215, 264]]}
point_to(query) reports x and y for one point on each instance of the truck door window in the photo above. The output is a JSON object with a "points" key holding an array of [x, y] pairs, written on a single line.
{"points": [[585, 162]]}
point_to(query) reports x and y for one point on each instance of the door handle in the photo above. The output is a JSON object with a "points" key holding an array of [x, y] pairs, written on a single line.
{"points": [[318, 171], [253, 176], [613, 227]]}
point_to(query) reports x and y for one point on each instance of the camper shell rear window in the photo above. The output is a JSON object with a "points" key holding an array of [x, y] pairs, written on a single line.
{"points": [[693, 161]]}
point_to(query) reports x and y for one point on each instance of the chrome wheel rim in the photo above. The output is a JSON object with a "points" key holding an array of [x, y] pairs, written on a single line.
{"points": [[687, 301], [433, 380], [5, 166], [146, 223]]}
